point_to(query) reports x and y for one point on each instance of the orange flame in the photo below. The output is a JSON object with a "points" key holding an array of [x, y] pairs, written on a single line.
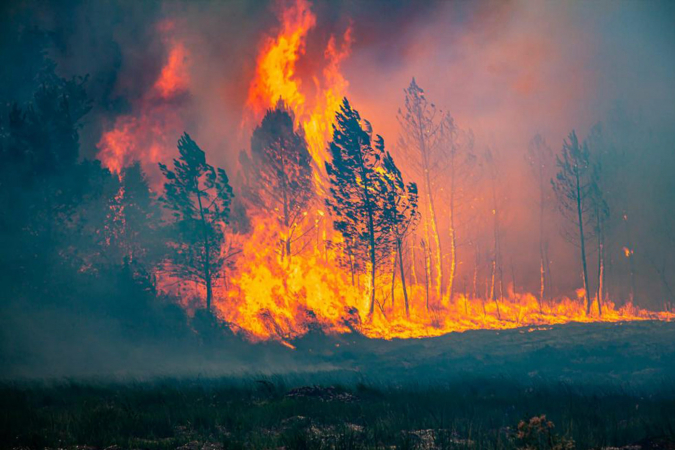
{"points": [[150, 132], [276, 78], [269, 297], [264, 295], [173, 79]]}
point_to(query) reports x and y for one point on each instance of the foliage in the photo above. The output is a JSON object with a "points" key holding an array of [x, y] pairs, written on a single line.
{"points": [[573, 187], [537, 434], [371, 204], [572, 183], [401, 213], [199, 196], [279, 172]]}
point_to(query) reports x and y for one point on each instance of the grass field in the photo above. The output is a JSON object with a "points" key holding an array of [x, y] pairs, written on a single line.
{"points": [[276, 413]]}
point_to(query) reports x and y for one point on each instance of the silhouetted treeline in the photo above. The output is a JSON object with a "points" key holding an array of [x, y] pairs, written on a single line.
{"points": [[77, 240]]}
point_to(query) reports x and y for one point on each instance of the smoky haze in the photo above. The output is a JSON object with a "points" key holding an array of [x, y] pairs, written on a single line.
{"points": [[506, 71]]}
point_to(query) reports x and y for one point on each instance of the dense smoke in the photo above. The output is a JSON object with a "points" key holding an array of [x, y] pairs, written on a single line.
{"points": [[505, 71]]}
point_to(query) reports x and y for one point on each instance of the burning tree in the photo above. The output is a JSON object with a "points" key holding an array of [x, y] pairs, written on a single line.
{"points": [[572, 186], [280, 172], [360, 192], [199, 196], [422, 140], [401, 214]]}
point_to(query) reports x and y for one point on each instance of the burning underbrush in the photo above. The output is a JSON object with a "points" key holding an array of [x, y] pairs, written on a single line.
{"points": [[323, 231], [284, 300]]}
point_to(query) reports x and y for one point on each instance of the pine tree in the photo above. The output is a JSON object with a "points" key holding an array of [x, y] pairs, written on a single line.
{"points": [[401, 214], [41, 178], [279, 174], [359, 190], [199, 196], [132, 227], [572, 186]]}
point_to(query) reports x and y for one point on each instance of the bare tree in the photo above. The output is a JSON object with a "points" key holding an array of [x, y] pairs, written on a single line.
{"points": [[459, 163], [496, 267], [422, 143]]}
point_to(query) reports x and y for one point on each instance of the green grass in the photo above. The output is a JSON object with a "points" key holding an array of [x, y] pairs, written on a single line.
{"points": [[247, 414]]}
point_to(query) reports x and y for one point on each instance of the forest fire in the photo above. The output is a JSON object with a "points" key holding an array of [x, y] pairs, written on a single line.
{"points": [[302, 263], [330, 224], [294, 272]]}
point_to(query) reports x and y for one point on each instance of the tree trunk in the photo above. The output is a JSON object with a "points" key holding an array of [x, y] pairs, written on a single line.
{"points": [[494, 289], [547, 269], [371, 243], [438, 286], [542, 252], [427, 269], [413, 270], [453, 236], [207, 253], [582, 241], [372, 264], [422, 141], [393, 280], [601, 263], [496, 261], [453, 256], [476, 265], [399, 245], [631, 260], [371, 235], [513, 279]]}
